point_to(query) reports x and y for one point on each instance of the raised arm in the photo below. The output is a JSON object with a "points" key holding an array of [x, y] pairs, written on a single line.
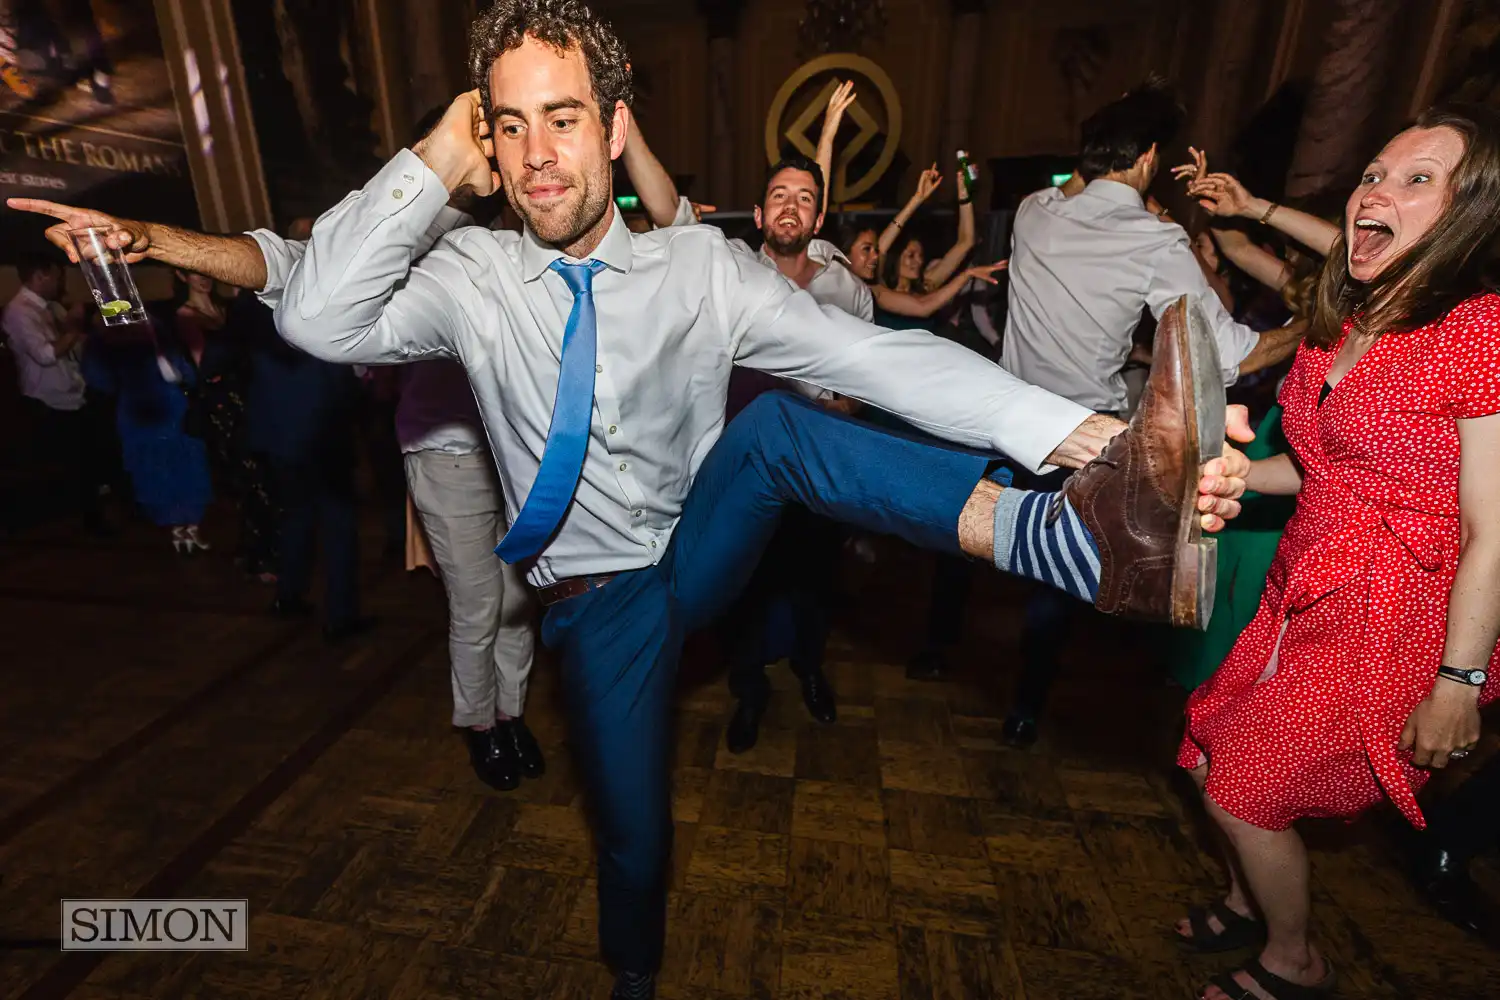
{"points": [[655, 186], [907, 304], [1224, 196], [358, 296], [929, 182], [838, 103], [234, 260], [1448, 718], [942, 269]]}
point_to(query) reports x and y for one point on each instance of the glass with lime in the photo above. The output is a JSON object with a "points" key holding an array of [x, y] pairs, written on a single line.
{"points": [[108, 277]]}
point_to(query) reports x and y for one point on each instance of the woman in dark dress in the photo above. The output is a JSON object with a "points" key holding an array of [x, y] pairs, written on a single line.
{"points": [[218, 350]]}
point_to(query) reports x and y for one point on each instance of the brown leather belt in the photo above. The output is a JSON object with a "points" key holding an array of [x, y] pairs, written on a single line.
{"points": [[564, 589]]}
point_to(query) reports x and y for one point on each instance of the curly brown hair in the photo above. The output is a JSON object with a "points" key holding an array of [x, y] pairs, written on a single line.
{"points": [[562, 24]]}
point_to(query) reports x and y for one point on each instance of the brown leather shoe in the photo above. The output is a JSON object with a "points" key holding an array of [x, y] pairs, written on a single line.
{"points": [[1139, 498]]}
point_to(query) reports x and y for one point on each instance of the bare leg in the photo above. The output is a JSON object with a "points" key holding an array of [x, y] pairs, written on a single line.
{"points": [[1236, 899], [1276, 871], [976, 522]]}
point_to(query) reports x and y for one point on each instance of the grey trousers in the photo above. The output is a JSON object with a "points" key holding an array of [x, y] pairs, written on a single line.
{"points": [[490, 638]]}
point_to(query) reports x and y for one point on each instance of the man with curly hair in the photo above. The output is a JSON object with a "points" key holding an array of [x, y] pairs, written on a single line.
{"points": [[600, 361]]}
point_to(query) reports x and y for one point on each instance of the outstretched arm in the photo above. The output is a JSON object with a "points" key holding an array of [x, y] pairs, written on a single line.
{"points": [[655, 186], [942, 269], [235, 260], [1262, 265], [907, 304]]}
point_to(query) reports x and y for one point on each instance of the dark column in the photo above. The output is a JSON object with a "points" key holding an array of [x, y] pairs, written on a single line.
{"points": [[723, 17], [963, 79], [1220, 105], [1345, 96]]}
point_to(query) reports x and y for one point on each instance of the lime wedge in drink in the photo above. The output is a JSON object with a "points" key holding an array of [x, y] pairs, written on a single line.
{"points": [[115, 308]]}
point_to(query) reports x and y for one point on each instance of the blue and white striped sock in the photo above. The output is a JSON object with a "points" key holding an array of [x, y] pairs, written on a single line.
{"points": [[1062, 553]]}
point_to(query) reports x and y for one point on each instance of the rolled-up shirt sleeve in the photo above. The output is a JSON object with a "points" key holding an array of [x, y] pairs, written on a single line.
{"points": [[937, 385], [685, 215], [1177, 273], [366, 289]]}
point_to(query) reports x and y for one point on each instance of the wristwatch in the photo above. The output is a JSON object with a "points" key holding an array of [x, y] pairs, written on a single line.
{"points": [[1464, 675]]}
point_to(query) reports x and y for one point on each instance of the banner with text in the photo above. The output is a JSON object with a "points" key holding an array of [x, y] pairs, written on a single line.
{"points": [[87, 115]]}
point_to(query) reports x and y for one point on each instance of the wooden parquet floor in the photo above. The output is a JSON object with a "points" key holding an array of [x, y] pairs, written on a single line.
{"points": [[160, 736]]}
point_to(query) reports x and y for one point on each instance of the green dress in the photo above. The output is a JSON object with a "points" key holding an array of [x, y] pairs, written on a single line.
{"points": [[1246, 548]]}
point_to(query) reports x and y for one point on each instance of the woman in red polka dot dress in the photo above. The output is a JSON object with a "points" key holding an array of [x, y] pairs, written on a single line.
{"points": [[1332, 699]]}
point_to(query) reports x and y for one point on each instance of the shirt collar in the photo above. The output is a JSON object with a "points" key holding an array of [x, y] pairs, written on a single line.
{"points": [[1115, 191], [614, 251], [822, 253]]}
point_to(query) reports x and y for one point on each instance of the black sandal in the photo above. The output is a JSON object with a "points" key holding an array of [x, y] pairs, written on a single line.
{"points": [[1239, 931], [1273, 985]]}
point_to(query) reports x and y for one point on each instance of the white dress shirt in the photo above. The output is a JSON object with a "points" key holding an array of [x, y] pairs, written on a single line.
{"points": [[834, 284], [31, 327], [677, 309], [1081, 270]]}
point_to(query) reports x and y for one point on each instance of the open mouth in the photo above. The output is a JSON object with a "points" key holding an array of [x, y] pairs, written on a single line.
{"points": [[1371, 239]]}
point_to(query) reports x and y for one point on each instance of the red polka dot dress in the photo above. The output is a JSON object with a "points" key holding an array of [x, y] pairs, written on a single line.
{"points": [[1304, 716]]}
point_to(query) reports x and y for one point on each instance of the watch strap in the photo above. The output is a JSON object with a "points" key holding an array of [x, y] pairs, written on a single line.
{"points": [[1464, 675]]}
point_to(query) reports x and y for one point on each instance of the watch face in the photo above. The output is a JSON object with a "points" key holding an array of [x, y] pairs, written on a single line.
{"points": [[1477, 677]]}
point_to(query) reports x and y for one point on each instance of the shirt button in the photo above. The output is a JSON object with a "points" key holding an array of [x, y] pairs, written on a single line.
{"points": [[598, 368], [653, 543], [397, 194], [624, 466], [639, 513], [409, 178], [613, 429]]}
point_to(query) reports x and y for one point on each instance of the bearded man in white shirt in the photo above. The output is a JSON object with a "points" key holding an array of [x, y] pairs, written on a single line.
{"points": [[600, 362]]}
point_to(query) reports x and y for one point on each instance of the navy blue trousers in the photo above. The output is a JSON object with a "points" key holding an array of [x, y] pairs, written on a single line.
{"points": [[620, 645]]}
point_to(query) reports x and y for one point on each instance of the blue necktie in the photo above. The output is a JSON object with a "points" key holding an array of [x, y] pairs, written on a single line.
{"points": [[568, 435]]}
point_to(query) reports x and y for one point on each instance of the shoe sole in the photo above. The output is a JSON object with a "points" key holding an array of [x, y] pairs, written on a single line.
{"points": [[1195, 570]]}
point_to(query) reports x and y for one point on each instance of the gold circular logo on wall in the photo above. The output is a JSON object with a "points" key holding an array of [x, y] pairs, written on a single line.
{"points": [[802, 99]]}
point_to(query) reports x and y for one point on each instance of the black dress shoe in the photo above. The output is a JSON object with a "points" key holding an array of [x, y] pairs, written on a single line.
{"points": [[516, 737], [1444, 880], [291, 607], [1018, 732], [495, 763], [744, 728], [348, 630], [931, 664], [817, 694], [633, 986]]}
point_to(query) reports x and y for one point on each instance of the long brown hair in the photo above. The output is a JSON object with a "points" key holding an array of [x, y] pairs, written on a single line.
{"points": [[1442, 268]]}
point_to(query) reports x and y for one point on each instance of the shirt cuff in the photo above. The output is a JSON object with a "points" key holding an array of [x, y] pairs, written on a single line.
{"points": [[280, 258], [1048, 422]]}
